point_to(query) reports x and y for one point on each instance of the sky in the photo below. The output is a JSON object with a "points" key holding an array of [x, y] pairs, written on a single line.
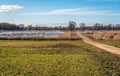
{"points": [[59, 12]]}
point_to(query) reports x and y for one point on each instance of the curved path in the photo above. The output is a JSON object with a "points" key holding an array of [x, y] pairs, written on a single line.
{"points": [[107, 48]]}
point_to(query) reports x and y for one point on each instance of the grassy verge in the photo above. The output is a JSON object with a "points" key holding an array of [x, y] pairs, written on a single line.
{"points": [[115, 43], [16, 59]]}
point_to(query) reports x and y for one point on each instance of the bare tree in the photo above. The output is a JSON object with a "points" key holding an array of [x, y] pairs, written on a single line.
{"points": [[72, 25], [82, 26]]}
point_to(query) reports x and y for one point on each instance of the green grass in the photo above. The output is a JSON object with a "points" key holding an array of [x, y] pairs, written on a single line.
{"points": [[16, 59]]}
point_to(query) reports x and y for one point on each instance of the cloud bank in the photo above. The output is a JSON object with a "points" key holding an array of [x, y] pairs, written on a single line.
{"points": [[77, 11], [8, 8]]}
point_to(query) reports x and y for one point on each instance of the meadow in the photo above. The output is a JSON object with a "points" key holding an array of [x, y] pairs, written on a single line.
{"points": [[55, 58]]}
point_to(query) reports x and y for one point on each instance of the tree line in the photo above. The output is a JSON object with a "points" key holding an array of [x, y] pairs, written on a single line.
{"points": [[98, 26], [8, 26], [71, 26]]}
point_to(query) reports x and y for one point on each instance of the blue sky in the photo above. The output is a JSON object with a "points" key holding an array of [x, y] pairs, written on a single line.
{"points": [[59, 11]]}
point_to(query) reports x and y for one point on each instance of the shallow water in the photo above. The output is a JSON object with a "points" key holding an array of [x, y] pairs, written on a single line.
{"points": [[31, 32]]}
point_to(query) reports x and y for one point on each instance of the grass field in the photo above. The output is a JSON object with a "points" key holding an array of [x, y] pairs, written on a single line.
{"points": [[55, 58]]}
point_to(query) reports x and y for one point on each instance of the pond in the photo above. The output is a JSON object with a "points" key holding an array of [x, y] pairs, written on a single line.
{"points": [[31, 32]]}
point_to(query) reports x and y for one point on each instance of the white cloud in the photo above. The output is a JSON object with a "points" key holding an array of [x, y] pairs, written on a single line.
{"points": [[7, 8], [77, 11]]}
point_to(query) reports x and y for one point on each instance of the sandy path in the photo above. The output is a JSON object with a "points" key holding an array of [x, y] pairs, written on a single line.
{"points": [[107, 48]]}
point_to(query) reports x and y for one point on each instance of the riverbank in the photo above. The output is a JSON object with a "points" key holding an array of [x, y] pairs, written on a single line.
{"points": [[36, 35]]}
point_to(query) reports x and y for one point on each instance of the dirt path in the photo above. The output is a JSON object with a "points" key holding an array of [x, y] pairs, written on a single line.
{"points": [[107, 48]]}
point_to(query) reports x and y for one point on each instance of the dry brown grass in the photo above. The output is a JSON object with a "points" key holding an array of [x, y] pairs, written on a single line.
{"points": [[69, 35], [108, 35]]}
